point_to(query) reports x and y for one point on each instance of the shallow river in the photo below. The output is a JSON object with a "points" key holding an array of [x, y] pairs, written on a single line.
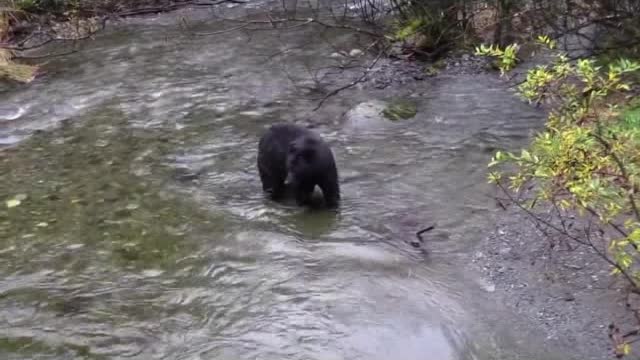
{"points": [[142, 232]]}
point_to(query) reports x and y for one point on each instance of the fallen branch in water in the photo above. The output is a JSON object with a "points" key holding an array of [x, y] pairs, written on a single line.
{"points": [[362, 78], [46, 56], [222, 31], [419, 233]]}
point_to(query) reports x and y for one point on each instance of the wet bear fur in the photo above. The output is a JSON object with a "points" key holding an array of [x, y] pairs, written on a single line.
{"points": [[296, 156]]}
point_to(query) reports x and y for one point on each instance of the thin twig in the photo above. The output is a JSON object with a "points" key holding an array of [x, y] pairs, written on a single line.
{"points": [[586, 242], [47, 56], [419, 233], [353, 83], [624, 173], [222, 31]]}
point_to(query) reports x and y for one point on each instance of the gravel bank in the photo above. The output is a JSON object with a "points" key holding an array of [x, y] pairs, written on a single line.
{"points": [[569, 295]]}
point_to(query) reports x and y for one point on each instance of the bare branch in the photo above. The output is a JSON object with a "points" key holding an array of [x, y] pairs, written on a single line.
{"points": [[360, 79], [586, 240]]}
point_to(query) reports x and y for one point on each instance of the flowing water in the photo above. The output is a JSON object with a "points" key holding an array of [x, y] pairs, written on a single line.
{"points": [[141, 231]]}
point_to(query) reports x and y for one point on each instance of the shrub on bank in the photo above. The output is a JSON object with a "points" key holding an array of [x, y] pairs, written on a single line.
{"points": [[587, 159]]}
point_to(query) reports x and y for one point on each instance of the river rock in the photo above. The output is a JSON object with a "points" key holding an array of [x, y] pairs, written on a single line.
{"points": [[400, 109], [367, 116], [377, 114]]}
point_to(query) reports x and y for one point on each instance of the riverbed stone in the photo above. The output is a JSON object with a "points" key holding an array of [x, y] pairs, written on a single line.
{"points": [[400, 109], [367, 116], [633, 301], [378, 114]]}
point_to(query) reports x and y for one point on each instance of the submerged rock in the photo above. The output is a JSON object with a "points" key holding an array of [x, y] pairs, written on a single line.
{"points": [[400, 109], [366, 116], [355, 52], [377, 114]]}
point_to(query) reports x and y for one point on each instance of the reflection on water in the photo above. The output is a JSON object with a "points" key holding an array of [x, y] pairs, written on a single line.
{"points": [[144, 233]]}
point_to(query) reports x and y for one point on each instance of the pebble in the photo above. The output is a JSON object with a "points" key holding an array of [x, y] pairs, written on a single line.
{"points": [[633, 301], [355, 52], [505, 250]]}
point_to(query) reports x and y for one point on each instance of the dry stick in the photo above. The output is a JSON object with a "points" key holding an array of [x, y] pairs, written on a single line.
{"points": [[623, 171], [419, 233], [353, 83], [222, 31], [52, 39], [625, 176], [309, 21], [562, 222], [23, 48], [29, 37], [47, 56], [615, 226]]}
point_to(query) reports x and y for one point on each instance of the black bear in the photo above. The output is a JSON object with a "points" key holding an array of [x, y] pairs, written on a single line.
{"points": [[294, 155]]}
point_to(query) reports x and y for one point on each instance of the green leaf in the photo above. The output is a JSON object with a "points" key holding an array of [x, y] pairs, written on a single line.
{"points": [[634, 237]]}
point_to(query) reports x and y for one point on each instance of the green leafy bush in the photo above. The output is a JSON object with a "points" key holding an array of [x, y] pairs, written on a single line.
{"points": [[587, 160]]}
